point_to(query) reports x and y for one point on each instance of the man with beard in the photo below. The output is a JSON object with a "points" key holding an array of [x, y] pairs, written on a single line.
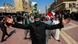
{"points": [[37, 29]]}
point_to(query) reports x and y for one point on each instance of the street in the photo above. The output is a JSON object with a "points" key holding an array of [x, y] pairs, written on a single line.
{"points": [[28, 11], [68, 35], [18, 38]]}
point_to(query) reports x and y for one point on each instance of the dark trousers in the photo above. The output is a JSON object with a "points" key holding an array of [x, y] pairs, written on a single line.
{"points": [[4, 31], [38, 41]]}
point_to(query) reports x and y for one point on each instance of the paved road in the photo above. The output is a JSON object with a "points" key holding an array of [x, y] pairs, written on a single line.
{"points": [[18, 38]]}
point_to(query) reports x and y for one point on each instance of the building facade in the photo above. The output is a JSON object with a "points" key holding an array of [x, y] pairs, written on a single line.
{"points": [[65, 5], [7, 8], [2, 9]]}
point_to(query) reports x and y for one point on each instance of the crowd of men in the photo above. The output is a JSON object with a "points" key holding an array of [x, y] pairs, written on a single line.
{"points": [[40, 26]]}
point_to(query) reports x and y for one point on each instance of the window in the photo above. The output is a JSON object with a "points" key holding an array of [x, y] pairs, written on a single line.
{"points": [[72, 4]]}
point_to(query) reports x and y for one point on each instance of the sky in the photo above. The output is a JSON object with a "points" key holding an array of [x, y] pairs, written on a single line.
{"points": [[6, 1], [42, 4]]}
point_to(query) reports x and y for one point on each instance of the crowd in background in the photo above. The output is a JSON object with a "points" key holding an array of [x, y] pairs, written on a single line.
{"points": [[25, 18]]}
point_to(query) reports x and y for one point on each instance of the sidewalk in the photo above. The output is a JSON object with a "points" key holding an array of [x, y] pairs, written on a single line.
{"points": [[70, 33]]}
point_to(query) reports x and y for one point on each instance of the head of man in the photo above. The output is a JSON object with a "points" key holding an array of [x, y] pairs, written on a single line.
{"points": [[37, 18], [8, 20], [47, 18]]}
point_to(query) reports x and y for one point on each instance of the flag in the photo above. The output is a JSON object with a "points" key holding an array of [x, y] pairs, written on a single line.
{"points": [[50, 14]]}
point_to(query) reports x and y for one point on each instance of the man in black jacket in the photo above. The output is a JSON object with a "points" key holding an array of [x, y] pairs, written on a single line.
{"points": [[37, 29]]}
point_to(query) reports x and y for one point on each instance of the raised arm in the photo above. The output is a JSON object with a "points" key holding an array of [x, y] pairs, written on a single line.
{"points": [[22, 26], [52, 27]]}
